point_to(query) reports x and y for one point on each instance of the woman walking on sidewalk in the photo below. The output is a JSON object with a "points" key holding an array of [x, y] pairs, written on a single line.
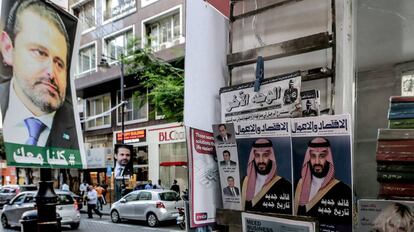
{"points": [[92, 199]]}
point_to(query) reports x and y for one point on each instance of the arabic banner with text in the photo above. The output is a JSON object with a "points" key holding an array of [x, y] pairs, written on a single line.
{"points": [[205, 195], [385, 215], [322, 170], [255, 222], [278, 97], [41, 126]]}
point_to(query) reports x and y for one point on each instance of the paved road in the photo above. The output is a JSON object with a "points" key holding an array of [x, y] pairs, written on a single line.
{"points": [[105, 225]]}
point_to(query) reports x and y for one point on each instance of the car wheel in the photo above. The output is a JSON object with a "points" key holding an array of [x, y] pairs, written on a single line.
{"points": [[74, 226], [115, 216], [152, 220], [4, 222]]}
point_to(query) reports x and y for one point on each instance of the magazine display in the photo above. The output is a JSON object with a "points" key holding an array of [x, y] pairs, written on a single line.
{"points": [[255, 165], [254, 222], [385, 215], [278, 97], [322, 170], [205, 195]]}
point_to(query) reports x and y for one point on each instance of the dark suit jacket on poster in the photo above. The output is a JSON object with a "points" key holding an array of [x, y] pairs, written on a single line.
{"points": [[63, 133], [223, 163], [221, 139], [227, 191]]}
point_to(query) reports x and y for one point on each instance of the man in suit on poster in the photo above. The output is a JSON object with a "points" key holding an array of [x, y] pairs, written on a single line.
{"points": [[226, 159], [123, 154], [36, 102], [231, 190], [223, 135]]}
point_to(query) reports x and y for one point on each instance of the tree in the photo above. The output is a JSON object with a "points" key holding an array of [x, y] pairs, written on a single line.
{"points": [[163, 81], [2, 149]]}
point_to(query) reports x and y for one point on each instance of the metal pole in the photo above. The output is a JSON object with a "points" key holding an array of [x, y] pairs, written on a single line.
{"points": [[46, 200], [122, 99]]}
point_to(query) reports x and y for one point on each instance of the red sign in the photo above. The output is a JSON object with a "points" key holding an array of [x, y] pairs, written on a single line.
{"points": [[131, 136], [201, 216], [223, 6], [203, 142]]}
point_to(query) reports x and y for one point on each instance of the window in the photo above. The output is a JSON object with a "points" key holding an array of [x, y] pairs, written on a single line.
{"points": [[117, 45], [165, 32], [96, 106], [145, 196], [118, 8], [131, 197], [65, 199], [19, 199], [136, 109], [86, 15], [169, 196], [87, 59]]}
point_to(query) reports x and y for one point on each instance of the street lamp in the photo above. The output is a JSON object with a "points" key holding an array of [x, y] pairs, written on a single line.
{"points": [[103, 65]]}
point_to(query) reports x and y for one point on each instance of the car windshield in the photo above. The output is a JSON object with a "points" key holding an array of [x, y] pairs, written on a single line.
{"points": [[7, 190], [28, 188], [169, 196], [65, 199]]}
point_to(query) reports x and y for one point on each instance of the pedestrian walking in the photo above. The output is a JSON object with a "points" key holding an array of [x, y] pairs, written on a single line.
{"points": [[105, 187], [175, 187], [100, 190], [158, 186], [149, 185], [92, 198], [65, 187], [83, 188]]}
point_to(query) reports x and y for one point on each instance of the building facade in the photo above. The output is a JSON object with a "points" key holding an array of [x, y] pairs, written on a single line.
{"points": [[107, 26]]}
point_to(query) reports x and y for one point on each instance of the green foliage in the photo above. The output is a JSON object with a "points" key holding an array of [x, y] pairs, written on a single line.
{"points": [[2, 149], [164, 82]]}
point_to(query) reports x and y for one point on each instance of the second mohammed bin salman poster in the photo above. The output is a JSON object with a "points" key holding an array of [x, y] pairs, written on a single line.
{"points": [[322, 170]]}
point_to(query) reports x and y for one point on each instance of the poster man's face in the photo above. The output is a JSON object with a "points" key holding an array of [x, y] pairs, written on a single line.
{"points": [[123, 157], [262, 158], [318, 159], [222, 131], [230, 182], [226, 156], [39, 63]]}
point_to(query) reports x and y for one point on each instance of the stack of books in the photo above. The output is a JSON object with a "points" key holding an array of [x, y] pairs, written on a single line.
{"points": [[401, 112], [395, 151]]}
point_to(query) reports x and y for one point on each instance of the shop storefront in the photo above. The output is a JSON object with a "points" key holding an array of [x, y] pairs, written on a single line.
{"points": [[160, 153]]}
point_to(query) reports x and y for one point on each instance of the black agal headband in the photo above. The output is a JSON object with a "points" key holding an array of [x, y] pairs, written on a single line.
{"points": [[324, 144], [268, 143]]}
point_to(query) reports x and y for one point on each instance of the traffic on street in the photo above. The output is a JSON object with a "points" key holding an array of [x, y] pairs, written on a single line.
{"points": [[104, 224]]}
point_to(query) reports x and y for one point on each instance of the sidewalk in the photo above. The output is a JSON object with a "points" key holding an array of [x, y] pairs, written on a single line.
{"points": [[106, 209]]}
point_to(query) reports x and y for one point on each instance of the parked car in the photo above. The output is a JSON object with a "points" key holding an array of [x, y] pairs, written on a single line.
{"points": [[25, 201], [7, 192], [153, 206]]}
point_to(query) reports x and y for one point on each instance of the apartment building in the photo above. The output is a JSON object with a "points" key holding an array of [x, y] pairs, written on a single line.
{"points": [[107, 26]]}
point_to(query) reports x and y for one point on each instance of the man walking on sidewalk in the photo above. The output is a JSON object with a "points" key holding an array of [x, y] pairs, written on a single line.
{"points": [[92, 199]]}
